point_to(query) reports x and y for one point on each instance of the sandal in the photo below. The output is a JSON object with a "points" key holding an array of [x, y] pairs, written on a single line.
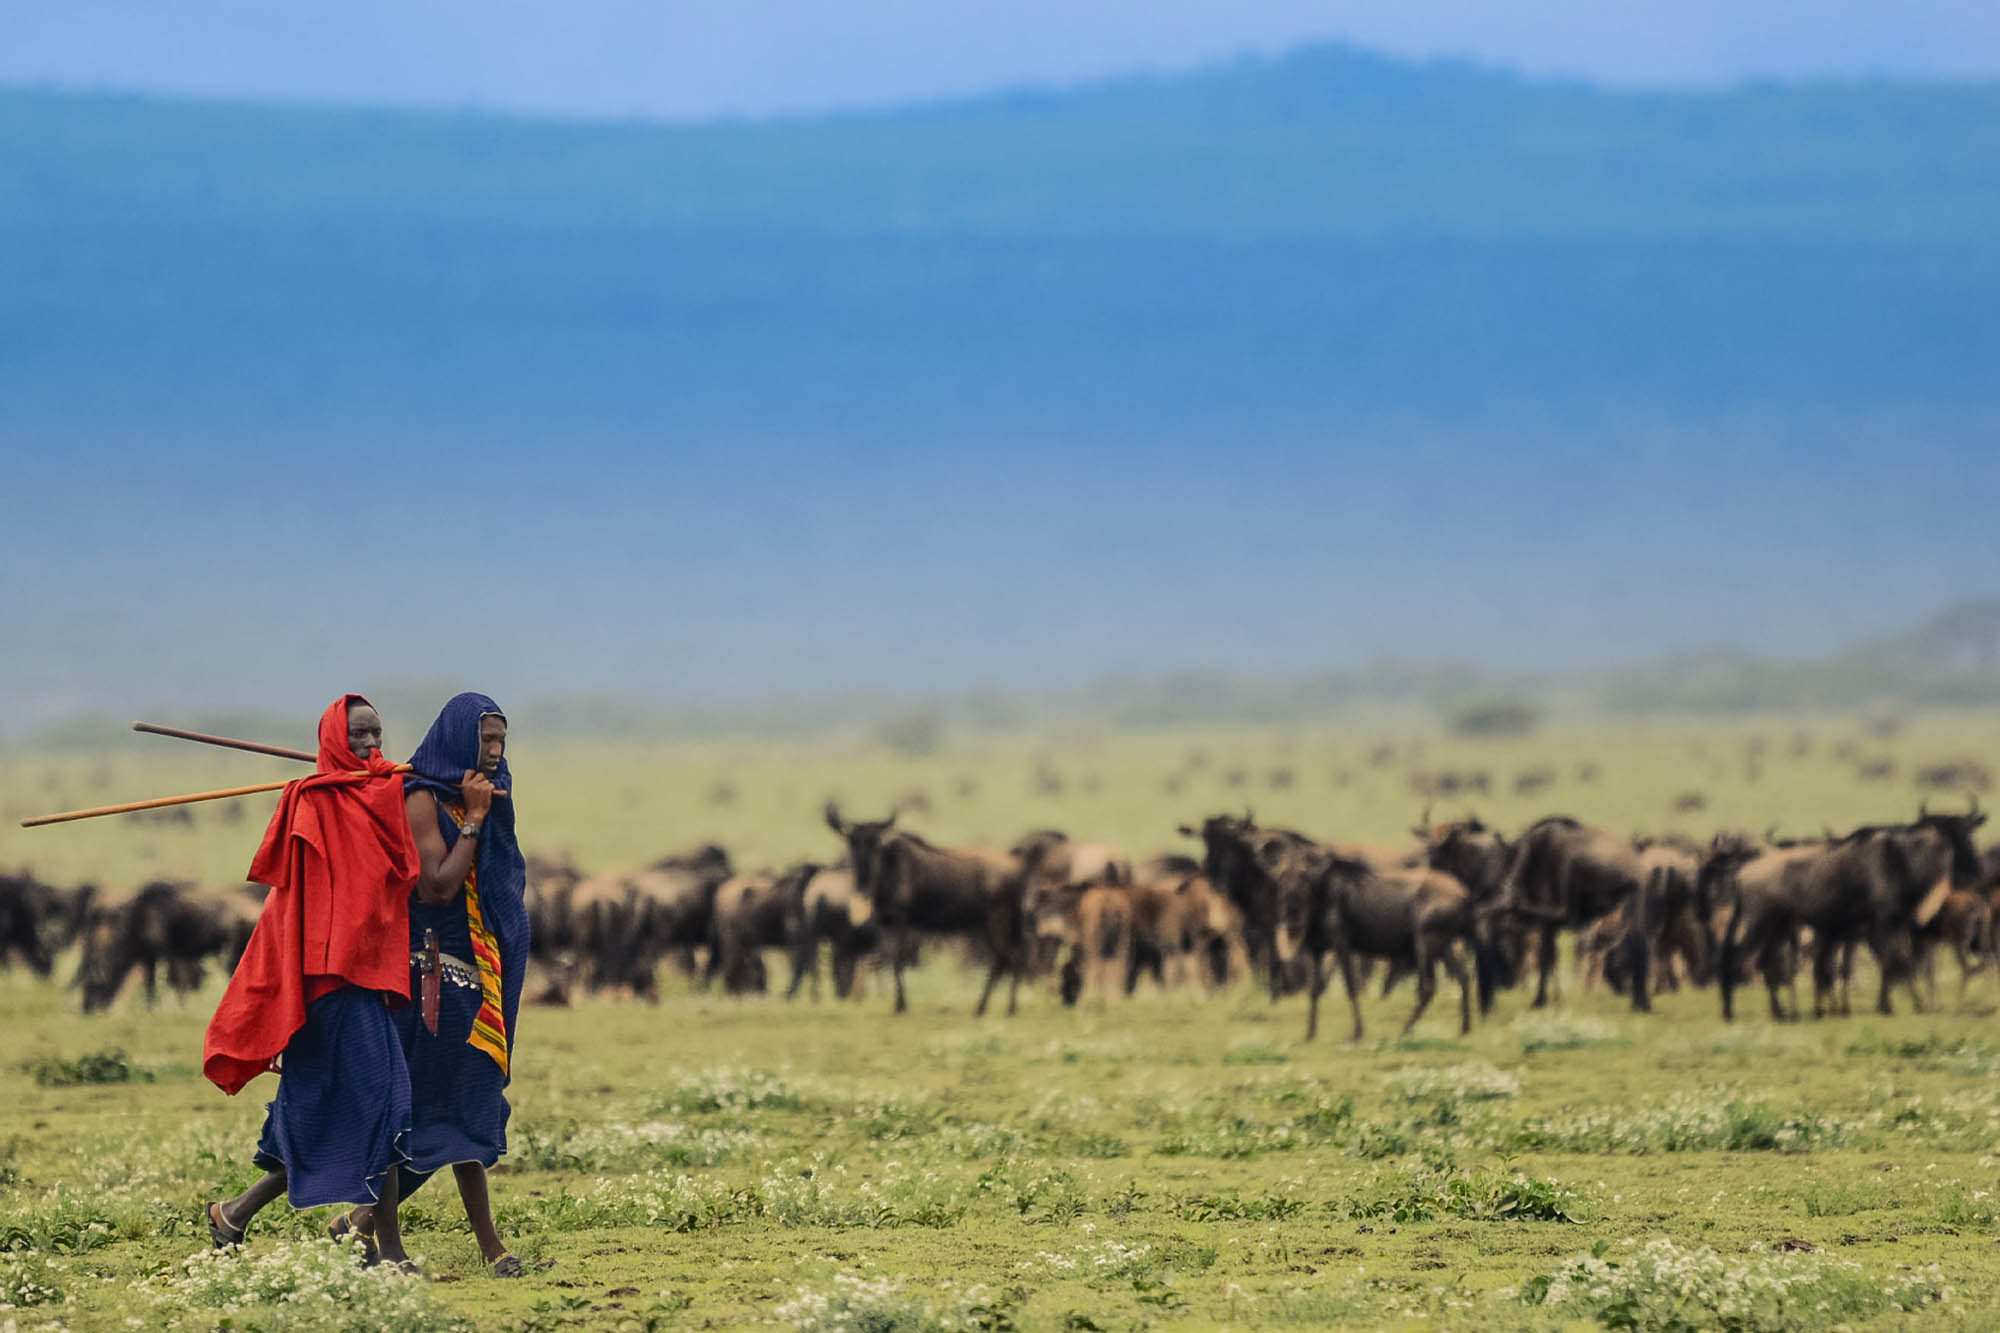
{"points": [[506, 1266], [342, 1229], [221, 1235]]}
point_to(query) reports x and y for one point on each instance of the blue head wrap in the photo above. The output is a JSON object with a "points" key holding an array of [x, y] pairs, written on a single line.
{"points": [[449, 748]]}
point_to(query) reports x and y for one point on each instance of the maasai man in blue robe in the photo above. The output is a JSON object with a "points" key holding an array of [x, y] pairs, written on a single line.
{"points": [[470, 903]]}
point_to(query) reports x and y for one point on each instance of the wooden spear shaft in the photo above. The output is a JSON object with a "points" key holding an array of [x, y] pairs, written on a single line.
{"points": [[231, 743], [255, 747], [161, 801]]}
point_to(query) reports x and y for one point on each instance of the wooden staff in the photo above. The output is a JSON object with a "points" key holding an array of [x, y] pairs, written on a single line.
{"points": [[255, 747], [160, 801], [252, 746]]}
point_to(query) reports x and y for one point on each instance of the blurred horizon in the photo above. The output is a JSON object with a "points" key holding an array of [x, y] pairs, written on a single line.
{"points": [[783, 58], [1276, 366]]}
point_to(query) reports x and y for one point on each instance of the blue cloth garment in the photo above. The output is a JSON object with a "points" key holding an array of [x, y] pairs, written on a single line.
{"points": [[449, 748], [343, 1103], [459, 1106]]}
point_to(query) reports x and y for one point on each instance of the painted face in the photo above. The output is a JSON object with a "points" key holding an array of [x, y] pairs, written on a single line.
{"points": [[492, 742], [364, 730]]}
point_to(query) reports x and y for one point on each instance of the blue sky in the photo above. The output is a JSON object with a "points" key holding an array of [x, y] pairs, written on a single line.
{"points": [[704, 58]]}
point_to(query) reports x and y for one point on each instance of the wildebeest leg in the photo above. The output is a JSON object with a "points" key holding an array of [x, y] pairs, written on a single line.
{"points": [[1725, 962], [985, 994], [1427, 984], [1888, 959], [903, 944], [805, 958], [1639, 948], [1545, 961], [152, 980], [1454, 967], [1312, 998], [1771, 964], [1352, 977], [1825, 955]]}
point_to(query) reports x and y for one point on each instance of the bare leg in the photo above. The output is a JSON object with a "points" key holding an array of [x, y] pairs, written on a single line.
{"points": [[235, 1214], [479, 1209], [383, 1222]]}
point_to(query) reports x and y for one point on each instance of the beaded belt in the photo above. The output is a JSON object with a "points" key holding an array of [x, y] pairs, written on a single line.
{"points": [[455, 970]]}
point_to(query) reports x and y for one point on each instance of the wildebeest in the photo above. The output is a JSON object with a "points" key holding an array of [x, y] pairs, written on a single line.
{"points": [[1956, 775], [163, 923], [1567, 875], [1876, 884], [37, 920], [1302, 898], [1676, 937], [825, 907], [749, 916], [1964, 924], [915, 887], [627, 924], [1468, 850]]}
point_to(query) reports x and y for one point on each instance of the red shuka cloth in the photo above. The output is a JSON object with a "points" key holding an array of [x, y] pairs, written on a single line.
{"points": [[341, 862]]}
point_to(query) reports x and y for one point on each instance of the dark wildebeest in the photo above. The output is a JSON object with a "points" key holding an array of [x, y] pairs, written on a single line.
{"points": [[1413, 917], [749, 917], [628, 924], [1305, 899], [824, 906], [1183, 930], [37, 920], [554, 945], [1877, 884], [975, 894], [163, 923], [1474, 854], [1566, 875], [1678, 940]]}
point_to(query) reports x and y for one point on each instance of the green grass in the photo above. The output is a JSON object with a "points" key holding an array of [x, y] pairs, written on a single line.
{"points": [[1158, 1163], [701, 1162]]}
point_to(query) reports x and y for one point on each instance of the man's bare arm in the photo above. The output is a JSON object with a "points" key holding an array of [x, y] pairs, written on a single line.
{"points": [[444, 871]]}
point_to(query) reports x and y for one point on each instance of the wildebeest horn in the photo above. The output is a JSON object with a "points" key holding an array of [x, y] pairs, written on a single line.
{"points": [[1972, 796], [1249, 817], [833, 819], [1423, 828], [1187, 832], [1923, 809]]}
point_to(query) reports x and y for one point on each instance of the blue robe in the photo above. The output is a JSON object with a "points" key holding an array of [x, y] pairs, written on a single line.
{"points": [[343, 1104], [459, 1106]]}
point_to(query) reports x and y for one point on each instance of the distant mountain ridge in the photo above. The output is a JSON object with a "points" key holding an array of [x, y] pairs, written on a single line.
{"points": [[1324, 142], [1949, 660]]}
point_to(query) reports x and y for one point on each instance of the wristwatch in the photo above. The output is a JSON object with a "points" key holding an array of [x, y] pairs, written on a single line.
{"points": [[469, 829]]}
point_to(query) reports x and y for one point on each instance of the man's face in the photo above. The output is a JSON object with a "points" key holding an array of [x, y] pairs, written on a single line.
{"points": [[364, 730], [492, 742]]}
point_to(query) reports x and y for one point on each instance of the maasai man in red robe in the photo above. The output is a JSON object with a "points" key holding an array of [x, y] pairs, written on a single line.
{"points": [[312, 996]]}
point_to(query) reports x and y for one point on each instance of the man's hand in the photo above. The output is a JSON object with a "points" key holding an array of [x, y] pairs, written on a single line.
{"points": [[477, 793]]}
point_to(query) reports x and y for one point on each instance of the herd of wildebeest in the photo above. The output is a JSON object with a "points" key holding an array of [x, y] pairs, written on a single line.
{"points": [[1237, 900]]}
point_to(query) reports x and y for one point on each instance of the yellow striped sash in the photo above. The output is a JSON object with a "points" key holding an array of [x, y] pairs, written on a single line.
{"points": [[489, 1029]]}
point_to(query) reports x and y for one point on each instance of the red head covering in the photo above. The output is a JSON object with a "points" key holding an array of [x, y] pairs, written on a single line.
{"points": [[340, 861]]}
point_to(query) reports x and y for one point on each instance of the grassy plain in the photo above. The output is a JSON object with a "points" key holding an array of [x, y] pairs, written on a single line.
{"points": [[1160, 1162]]}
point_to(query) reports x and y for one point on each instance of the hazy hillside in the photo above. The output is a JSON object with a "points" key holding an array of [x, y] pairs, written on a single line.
{"points": [[1326, 143], [1262, 245]]}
